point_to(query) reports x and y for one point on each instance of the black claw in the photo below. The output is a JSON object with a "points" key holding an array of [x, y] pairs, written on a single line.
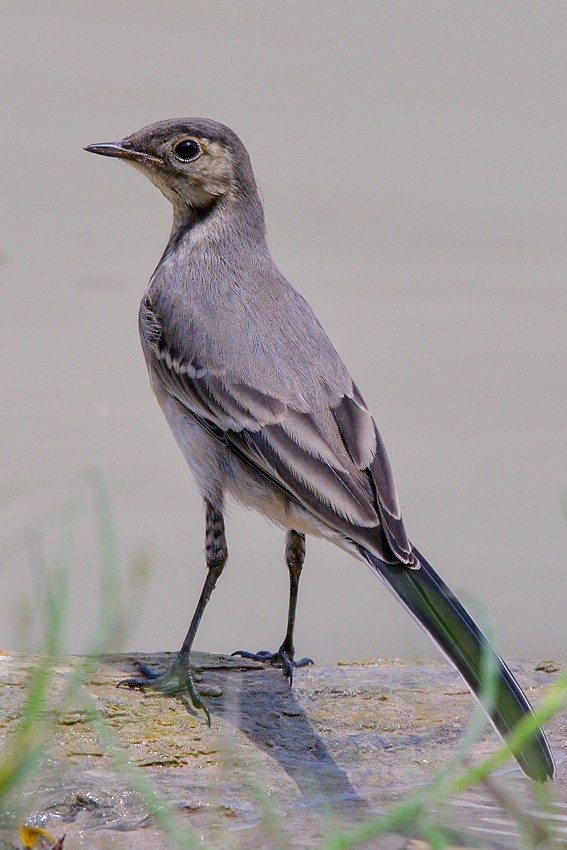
{"points": [[132, 683], [186, 683], [280, 657], [261, 655], [146, 671], [177, 680], [287, 669]]}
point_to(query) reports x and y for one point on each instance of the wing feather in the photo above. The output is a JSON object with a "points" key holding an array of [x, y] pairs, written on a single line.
{"points": [[330, 459], [356, 428]]}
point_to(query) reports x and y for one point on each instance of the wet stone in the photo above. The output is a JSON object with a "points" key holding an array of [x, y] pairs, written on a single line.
{"points": [[278, 767]]}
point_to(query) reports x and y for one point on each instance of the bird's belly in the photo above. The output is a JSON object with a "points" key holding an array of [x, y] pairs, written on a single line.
{"points": [[254, 492], [217, 471], [204, 454]]}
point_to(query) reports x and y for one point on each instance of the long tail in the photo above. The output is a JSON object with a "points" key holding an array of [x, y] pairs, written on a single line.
{"points": [[438, 611]]}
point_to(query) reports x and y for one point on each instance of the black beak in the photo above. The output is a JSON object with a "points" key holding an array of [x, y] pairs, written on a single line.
{"points": [[123, 150]]}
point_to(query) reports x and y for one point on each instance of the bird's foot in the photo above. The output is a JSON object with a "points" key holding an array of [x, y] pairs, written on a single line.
{"points": [[178, 680], [282, 658]]}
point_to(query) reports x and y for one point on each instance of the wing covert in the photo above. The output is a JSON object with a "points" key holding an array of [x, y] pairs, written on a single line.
{"points": [[329, 458]]}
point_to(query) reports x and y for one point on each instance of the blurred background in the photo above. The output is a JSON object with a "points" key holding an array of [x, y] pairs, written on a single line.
{"points": [[412, 162]]}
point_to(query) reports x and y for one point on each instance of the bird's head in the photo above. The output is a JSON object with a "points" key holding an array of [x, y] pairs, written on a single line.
{"points": [[195, 162]]}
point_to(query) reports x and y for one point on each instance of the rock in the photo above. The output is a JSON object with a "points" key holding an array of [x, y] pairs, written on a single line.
{"points": [[279, 767]]}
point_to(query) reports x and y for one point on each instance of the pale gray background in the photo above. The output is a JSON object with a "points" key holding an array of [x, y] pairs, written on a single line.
{"points": [[412, 160]]}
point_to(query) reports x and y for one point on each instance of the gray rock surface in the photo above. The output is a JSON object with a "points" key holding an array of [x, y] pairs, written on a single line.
{"points": [[279, 767]]}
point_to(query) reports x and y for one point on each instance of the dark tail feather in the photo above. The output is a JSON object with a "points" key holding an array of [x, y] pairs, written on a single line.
{"points": [[459, 638]]}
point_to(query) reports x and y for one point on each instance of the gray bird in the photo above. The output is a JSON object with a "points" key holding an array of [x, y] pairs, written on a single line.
{"points": [[265, 411]]}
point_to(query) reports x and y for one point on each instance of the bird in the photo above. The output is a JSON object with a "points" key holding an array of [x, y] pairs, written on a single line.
{"points": [[266, 413]]}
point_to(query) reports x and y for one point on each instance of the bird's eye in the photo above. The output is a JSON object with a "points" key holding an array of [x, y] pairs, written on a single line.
{"points": [[188, 150]]}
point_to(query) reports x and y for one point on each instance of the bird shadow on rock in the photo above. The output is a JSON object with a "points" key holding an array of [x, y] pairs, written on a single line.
{"points": [[265, 709], [258, 702]]}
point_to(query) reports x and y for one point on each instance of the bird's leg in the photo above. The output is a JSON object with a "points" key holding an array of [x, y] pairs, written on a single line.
{"points": [[216, 554], [294, 558]]}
